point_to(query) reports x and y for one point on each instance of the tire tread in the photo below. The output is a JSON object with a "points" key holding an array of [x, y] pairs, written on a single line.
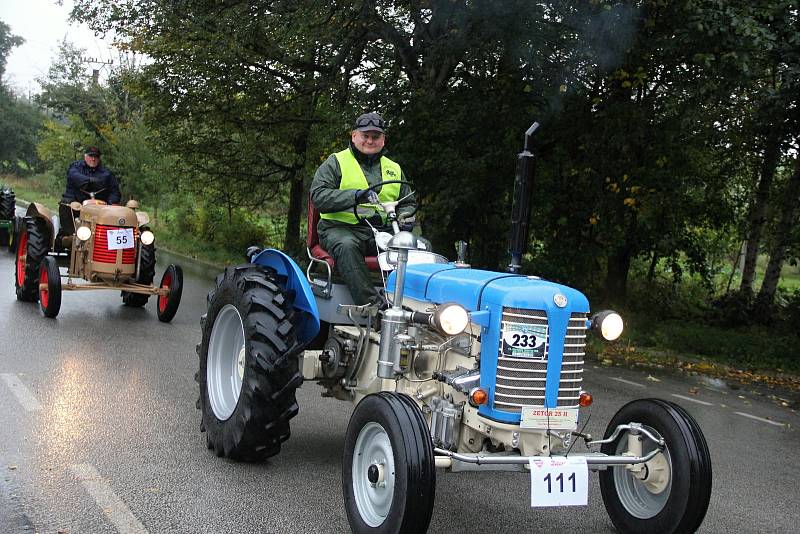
{"points": [[260, 422]]}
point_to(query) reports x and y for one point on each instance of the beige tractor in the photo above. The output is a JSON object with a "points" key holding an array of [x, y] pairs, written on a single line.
{"points": [[105, 247]]}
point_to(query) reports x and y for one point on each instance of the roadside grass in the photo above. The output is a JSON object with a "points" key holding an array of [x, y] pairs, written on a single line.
{"points": [[194, 247], [679, 326], [35, 188], [789, 281], [754, 348]]}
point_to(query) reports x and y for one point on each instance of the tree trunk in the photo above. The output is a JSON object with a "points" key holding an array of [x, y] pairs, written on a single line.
{"points": [[734, 267], [758, 211], [791, 200], [651, 271], [619, 265], [291, 239]]}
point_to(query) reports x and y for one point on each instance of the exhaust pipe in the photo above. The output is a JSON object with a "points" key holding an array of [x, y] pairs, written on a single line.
{"points": [[521, 209]]}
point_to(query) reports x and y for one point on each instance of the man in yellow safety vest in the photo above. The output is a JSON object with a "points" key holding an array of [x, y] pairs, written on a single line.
{"points": [[345, 179]]}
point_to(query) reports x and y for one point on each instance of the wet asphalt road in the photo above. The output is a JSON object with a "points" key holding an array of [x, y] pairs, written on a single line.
{"points": [[99, 433]]}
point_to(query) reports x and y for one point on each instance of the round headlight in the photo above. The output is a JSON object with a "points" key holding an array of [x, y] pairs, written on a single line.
{"points": [[148, 237], [450, 319], [84, 233], [609, 324]]}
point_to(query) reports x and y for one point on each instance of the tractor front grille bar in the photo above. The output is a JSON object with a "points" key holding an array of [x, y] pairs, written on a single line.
{"points": [[521, 382]]}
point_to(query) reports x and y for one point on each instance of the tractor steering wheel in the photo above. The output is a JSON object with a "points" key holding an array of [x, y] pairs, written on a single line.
{"points": [[363, 212], [92, 197]]}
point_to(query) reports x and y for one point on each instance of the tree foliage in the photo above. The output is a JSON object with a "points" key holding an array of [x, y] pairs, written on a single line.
{"points": [[20, 120], [664, 123]]}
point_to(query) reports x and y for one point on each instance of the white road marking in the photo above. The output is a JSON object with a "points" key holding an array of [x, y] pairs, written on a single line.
{"points": [[698, 401], [756, 418], [628, 382], [113, 507], [21, 392]]}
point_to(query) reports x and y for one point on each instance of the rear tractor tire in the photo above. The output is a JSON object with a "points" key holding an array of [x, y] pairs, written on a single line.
{"points": [[671, 495], [248, 370], [32, 248], [147, 271], [7, 209], [49, 287]]}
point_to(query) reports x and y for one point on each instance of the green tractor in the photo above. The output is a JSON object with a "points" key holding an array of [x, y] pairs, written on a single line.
{"points": [[9, 222]]}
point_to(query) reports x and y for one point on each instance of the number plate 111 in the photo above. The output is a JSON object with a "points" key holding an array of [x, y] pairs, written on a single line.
{"points": [[559, 481]]}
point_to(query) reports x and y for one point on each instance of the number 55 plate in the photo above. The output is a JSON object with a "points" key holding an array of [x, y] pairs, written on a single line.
{"points": [[120, 239], [559, 481]]}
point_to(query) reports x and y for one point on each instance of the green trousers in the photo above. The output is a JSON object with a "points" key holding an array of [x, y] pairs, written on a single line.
{"points": [[348, 246]]}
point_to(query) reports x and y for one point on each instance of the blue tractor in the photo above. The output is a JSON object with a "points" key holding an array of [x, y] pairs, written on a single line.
{"points": [[466, 370]]}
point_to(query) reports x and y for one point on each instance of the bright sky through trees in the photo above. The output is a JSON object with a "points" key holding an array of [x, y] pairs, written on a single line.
{"points": [[43, 24]]}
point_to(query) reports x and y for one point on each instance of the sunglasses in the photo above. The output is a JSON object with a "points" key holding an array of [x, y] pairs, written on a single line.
{"points": [[361, 123]]}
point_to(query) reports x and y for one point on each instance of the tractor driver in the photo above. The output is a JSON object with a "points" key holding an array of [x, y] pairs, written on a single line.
{"points": [[342, 181], [85, 176]]}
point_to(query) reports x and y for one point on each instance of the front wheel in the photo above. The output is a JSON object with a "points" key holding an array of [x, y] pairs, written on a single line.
{"points": [[248, 371], [388, 469], [147, 271], [49, 287], [168, 304], [671, 494]]}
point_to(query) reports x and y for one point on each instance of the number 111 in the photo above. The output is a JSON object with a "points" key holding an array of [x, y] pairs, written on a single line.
{"points": [[560, 480]]}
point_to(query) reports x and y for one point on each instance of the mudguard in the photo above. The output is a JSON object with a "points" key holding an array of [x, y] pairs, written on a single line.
{"points": [[35, 209], [296, 281]]}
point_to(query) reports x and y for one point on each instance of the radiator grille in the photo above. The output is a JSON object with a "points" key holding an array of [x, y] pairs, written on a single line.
{"points": [[522, 381], [101, 254]]}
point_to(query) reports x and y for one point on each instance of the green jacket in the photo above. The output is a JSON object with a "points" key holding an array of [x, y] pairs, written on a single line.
{"points": [[327, 197]]}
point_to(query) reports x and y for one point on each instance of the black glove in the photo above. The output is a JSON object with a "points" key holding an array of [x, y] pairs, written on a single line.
{"points": [[366, 196], [376, 220]]}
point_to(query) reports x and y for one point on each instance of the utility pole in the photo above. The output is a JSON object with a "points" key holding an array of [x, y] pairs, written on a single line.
{"points": [[96, 70]]}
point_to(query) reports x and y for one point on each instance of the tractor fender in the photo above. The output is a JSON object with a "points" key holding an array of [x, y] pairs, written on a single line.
{"points": [[35, 209], [304, 301]]}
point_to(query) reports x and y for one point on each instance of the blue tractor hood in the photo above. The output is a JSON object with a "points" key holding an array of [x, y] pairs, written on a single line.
{"points": [[476, 289]]}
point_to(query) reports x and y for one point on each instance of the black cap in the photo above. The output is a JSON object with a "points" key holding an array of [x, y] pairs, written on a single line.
{"points": [[92, 151], [370, 122]]}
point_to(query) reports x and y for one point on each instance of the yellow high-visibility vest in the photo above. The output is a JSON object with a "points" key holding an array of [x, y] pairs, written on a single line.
{"points": [[353, 178]]}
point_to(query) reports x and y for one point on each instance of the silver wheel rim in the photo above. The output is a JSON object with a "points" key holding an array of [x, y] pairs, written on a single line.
{"points": [[373, 448], [639, 501], [225, 363]]}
